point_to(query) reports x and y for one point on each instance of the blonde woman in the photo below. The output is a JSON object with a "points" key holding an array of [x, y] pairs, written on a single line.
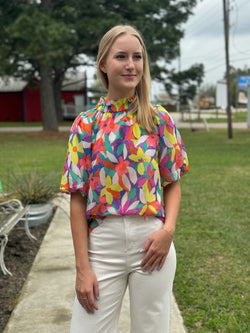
{"points": [[125, 158]]}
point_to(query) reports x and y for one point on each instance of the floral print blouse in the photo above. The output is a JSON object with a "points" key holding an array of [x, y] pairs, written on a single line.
{"points": [[121, 168]]}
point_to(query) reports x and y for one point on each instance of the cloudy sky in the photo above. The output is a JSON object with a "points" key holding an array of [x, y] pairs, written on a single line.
{"points": [[204, 40]]}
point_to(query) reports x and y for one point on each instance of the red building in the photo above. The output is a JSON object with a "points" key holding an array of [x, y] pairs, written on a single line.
{"points": [[20, 101]]}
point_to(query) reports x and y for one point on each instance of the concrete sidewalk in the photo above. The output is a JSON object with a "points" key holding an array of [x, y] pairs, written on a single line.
{"points": [[46, 301]]}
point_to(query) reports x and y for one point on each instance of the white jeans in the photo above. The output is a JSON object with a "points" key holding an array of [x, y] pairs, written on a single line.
{"points": [[114, 254]]}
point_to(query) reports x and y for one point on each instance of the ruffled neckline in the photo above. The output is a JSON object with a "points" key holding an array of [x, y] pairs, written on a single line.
{"points": [[118, 105]]}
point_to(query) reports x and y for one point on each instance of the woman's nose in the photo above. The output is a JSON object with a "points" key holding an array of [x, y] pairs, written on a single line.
{"points": [[130, 63]]}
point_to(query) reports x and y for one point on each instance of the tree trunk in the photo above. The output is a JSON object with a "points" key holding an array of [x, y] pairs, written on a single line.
{"points": [[49, 118], [57, 93]]}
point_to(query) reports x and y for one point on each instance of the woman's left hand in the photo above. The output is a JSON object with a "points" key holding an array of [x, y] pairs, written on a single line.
{"points": [[156, 248]]}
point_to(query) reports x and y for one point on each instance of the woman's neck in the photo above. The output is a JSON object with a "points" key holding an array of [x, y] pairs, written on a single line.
{"points": [[115, 96]]}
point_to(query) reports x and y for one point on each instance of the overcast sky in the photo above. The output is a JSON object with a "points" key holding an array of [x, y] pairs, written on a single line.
{"points": [[204, 40]]}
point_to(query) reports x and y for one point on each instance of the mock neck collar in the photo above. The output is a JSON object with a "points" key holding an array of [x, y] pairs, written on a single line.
{"points": [[117, 105]]}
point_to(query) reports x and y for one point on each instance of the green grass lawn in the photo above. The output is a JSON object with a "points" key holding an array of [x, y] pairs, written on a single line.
{"points": [[212, 236], [24, 151], [19, 124], [31, 124], [237, 117]]}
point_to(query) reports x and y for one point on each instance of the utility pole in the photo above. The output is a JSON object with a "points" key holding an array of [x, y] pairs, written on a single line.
{"points": [[226, 31]]}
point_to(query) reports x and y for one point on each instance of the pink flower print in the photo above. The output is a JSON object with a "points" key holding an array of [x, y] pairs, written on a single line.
{"points": [[121, 166], [109, 126], [152, 140], [94, 181], [126, 207]]}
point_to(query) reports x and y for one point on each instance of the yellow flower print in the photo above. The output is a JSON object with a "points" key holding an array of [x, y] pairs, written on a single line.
{"points": [[140, 158], [149, 197], [108, 115], [155, 164], [149, 200], [132, 116], [74, 149], [110, 190], [136, 130], [157, 120], [119, 104], [171, 138], [99, 107]]}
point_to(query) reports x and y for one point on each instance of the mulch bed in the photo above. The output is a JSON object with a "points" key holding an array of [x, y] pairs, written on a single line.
{"points": [[20, 253]]}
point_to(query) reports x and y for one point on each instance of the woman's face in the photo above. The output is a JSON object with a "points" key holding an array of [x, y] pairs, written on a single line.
{"points": [[123, 66]]}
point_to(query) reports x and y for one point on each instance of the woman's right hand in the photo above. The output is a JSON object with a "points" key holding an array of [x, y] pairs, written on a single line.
{"points": [[87, 289]]}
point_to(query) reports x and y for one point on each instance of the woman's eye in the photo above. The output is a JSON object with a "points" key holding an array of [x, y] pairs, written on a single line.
{"points": [[138, 57], [123, 56], [120, 56]]}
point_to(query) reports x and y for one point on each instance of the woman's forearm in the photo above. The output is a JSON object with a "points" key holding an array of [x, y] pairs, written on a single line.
{"points": [[87, 289], [79, 229], [172, 199]]}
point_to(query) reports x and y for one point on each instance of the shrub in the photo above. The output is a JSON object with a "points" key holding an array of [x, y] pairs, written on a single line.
{"points": [[32, 187]]}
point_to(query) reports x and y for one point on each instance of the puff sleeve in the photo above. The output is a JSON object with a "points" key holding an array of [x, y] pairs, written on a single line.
{"points": [[172, 156], [77, 167]]}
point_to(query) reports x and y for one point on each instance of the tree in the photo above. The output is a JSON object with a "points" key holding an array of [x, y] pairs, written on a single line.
{"points": [[208, 90], [39, 44], [47, 38], [188, 80]]}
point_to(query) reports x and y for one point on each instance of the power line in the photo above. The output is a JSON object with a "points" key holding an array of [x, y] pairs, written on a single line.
{"points": [[210, 69], [205, 16], [212, 55]]}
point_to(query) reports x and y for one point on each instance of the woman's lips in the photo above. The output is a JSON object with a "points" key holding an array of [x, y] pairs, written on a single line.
{"points": [[129, 76]]}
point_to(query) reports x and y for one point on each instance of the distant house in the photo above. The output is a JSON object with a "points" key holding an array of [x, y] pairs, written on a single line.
{"points": [[20, 101]]}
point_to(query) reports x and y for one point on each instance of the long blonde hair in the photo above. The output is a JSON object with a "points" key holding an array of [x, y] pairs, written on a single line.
{"points": [[142, 106]]}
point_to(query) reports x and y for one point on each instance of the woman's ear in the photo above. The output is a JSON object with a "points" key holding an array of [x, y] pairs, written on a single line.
{"points": [[103, 66]]}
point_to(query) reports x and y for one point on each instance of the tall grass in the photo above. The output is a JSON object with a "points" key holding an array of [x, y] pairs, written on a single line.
{"points": [[32, 187]]}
